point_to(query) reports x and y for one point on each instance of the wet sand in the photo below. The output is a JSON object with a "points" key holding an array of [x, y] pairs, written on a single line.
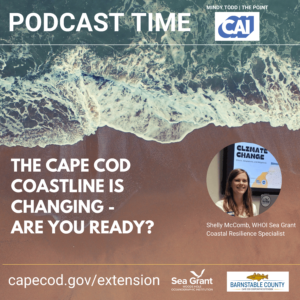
{"points": [[166, 184]]}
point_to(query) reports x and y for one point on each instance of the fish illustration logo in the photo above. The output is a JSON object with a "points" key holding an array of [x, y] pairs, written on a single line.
{"points": [[257, 277], [198, 276]]}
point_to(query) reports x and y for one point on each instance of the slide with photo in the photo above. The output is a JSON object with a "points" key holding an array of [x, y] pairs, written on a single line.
{"points": [[259, 163]]}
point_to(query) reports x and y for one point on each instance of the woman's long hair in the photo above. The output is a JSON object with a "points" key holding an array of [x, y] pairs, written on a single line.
{"points": [[229, 203]]}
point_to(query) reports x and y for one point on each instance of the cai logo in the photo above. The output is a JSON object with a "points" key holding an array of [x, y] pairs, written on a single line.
{"points": [[236, 26]]}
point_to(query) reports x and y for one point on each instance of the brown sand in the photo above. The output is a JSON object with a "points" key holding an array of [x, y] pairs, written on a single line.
{"points": [[166, 184]]}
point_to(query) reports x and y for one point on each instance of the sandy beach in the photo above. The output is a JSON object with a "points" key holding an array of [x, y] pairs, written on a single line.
{"points": [[166, 184]]}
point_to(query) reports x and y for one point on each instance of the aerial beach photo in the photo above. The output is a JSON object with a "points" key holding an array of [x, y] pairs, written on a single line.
{"points": [[146, 82]]}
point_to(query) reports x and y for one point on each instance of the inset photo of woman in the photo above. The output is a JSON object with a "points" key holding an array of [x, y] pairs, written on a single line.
{"points": [[249, 180]]}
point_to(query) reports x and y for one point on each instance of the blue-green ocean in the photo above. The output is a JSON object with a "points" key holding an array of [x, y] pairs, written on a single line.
{"points": [[57, 87]]}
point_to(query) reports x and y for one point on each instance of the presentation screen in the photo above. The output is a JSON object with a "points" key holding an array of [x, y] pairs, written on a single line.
{"points": [[259, 163], [261, 166]]}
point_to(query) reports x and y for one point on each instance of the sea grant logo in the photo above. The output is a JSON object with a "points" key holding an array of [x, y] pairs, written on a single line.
{"points": [[192, 284], [257, 281], [234, 26]]}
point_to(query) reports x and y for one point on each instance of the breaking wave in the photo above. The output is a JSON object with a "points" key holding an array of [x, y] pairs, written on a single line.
{"points": [[158, 92]]}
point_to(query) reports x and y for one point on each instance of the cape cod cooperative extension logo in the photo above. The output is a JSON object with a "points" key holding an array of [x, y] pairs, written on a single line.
{"points": [[257, 281], [237, 26], [196, 283]]}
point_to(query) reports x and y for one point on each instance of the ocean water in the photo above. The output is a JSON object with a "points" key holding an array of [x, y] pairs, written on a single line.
{"points": [[158, 85]]}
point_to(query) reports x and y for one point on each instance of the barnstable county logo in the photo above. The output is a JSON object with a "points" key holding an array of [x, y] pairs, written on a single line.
{"points": [[257, 282], [236, 26], [193, 284]]}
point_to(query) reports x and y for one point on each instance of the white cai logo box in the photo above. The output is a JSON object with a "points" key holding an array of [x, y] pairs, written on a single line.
{"points": [[237, 26]]}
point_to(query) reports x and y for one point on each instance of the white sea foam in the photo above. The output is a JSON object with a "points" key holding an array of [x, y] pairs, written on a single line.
{"points": [[158, 93]]}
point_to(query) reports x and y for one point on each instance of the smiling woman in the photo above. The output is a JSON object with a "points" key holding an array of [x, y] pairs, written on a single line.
{"points": [[237, 200], [246, 177]]}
